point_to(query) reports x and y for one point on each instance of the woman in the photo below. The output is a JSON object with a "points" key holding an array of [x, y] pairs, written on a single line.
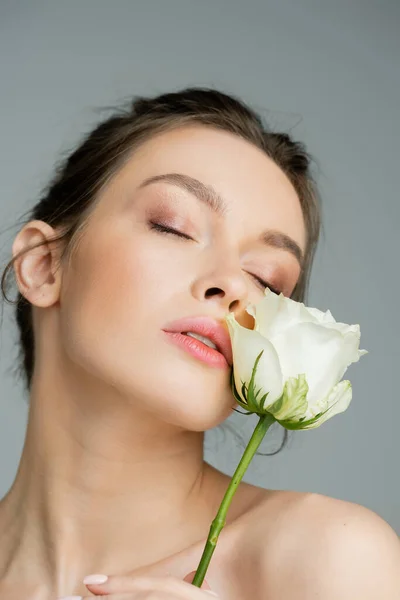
{"points": [[181, 207]]}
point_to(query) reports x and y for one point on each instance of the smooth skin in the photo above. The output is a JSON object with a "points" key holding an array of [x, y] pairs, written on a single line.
{"points": [[112, 477]]}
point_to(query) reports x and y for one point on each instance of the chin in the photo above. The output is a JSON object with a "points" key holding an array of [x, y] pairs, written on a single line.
{"points": [[197, 398], [191, 410], [181, 392]]}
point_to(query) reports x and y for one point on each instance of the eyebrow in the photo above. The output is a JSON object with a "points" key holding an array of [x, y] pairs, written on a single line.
{"points": [[210, 197]]}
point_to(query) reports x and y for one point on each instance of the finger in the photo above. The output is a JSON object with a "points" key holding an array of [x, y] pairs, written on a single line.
{"points": [[190, 576], [128, 596], [139, 595], [116, 584]]}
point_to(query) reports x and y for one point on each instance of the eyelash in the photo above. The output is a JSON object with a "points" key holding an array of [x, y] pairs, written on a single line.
{"points": [[166, 230], [169, 230]]}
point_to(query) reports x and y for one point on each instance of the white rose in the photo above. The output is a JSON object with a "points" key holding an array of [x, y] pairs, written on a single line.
{"points": [[304, 355]]}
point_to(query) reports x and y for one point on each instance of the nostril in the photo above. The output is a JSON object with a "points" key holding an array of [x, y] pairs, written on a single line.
{"points": [[214, 292]]}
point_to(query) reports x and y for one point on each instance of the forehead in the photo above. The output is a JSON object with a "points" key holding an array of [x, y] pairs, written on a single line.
{"points": [[257, 192]]}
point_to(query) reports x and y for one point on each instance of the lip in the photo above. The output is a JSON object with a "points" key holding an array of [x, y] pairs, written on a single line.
{"points": [[208, 327]]}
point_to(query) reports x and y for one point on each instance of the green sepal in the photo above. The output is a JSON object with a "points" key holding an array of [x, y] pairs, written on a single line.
{"points": [[252, 402], [262, 402], [300, 424], [251, 393], [235, 393], [293, 402]]}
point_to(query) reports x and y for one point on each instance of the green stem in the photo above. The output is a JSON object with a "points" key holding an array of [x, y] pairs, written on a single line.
{"points": [[218, 523]]}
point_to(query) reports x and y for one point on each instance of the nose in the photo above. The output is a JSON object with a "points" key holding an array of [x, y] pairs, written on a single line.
{"points": [[226, 286]]}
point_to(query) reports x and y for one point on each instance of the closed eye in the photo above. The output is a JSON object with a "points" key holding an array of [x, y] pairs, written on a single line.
{"points": [[164, 229], [168, 230], [265, 284]]}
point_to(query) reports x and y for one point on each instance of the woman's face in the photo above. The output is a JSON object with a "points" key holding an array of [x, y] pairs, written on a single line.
{"points": [[128, 280]]}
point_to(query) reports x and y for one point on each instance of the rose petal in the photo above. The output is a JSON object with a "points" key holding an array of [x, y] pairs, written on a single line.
{"points": [[323, 354], [276, 314], [246, 346], [338, 401]]}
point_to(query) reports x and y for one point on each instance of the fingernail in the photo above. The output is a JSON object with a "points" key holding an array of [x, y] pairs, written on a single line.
{"points": [[212, 593], [96, 578], [70, 598]]}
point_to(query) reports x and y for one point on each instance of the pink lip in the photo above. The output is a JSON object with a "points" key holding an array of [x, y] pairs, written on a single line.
{"points": [[208, 327]]}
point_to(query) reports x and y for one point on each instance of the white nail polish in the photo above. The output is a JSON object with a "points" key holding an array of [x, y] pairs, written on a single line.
{"points": [[71, 598], [96, 578], [212, 593]]}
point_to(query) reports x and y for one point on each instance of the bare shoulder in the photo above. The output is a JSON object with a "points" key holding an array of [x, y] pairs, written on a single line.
{"points": [[303, 545]]}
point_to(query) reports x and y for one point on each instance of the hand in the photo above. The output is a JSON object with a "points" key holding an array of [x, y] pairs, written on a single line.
{"points": [[151, 588]]}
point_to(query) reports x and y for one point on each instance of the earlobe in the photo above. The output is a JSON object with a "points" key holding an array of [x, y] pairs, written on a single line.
{"points": [[36, 270]]}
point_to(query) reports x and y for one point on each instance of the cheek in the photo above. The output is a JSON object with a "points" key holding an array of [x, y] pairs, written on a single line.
{"points": [[112, 308], [113, 303], [124, 279]]}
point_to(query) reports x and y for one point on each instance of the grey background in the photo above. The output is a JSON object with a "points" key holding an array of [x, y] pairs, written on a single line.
{"points": [[326, 71]]}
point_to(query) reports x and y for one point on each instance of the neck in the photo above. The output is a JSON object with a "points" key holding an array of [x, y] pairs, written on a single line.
{"points": [[101, 490]]}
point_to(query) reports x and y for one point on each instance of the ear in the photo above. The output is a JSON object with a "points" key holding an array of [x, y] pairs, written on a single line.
{"points": [[37, 271]]}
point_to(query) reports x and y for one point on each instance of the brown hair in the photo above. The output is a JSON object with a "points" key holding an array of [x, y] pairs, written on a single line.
{"points": [[70, 197]]}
